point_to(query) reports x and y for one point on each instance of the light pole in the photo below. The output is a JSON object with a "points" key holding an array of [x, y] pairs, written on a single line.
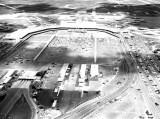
{"points": [[95, 49]]}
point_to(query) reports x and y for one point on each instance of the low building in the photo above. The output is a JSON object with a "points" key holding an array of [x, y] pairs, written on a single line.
{"points": [[83, 70], [54, 103], [7, 76], [94, 70]]}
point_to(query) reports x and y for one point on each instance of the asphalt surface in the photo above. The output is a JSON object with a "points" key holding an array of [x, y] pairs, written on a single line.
{"points": [[86, 108], [127, 69], [145, 85], [13, 94]]}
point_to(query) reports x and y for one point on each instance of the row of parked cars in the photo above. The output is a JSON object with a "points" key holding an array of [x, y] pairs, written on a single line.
{"points": [[4, 48], [145, 63]]}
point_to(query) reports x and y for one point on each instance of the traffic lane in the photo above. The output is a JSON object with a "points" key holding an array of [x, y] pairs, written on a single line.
{"points": [[151, 63], [156, 62], [11, 92], [71, 99], [16, 84], [123, 68], [149, 100], [20, 110], [88, 96], [144, 64], [152, 56], [148, 96], [154, 97], [146, 58], [84, 111], [65, 99], [142, 44], [150, 85], [117, 82], [128, 81], [30, 102], [2, 73], [12, 96], [9, 102], [121, 75]]}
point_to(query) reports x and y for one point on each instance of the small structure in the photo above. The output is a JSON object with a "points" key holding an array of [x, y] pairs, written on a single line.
{"points": [[54, 103], [63, 71], [1, 86], [81, 80], [56, 89], [29, 75], [29, 78], [7, 76], [83, 70], [81, 84], [60, 79], [94, 70]]}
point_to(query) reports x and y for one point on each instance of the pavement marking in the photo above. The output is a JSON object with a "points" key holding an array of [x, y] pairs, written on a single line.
{"points": [[49, 41], [95, 50]]}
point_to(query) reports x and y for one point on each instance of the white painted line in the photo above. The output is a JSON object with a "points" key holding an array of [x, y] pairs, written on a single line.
{"points": [[49, 41], [95, 50], [7, 6]]}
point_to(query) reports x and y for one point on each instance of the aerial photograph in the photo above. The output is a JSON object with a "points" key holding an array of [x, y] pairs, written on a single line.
{"points": [[79, 59]]}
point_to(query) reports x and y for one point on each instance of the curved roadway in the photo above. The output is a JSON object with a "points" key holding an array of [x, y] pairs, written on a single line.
{"points": [[88, 107], [13, 94], [81, 111]]}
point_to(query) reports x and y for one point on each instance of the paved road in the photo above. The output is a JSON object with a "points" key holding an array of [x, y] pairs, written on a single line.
{"points": [[146, 94], [83, 110], [29, 100], [13, 94]]}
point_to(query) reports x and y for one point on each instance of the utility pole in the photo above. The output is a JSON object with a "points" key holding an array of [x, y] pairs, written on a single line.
{"points": [[95, 49]]}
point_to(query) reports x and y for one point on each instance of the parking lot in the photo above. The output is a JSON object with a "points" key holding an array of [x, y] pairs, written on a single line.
{"points": [[73, 47], [24, 55]]}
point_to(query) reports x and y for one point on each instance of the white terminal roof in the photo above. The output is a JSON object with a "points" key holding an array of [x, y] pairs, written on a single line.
{"points": [[7, 76], [81, 84], [29, 75], [63, 70], [81, 80], [83, 70], [94, 70]]}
